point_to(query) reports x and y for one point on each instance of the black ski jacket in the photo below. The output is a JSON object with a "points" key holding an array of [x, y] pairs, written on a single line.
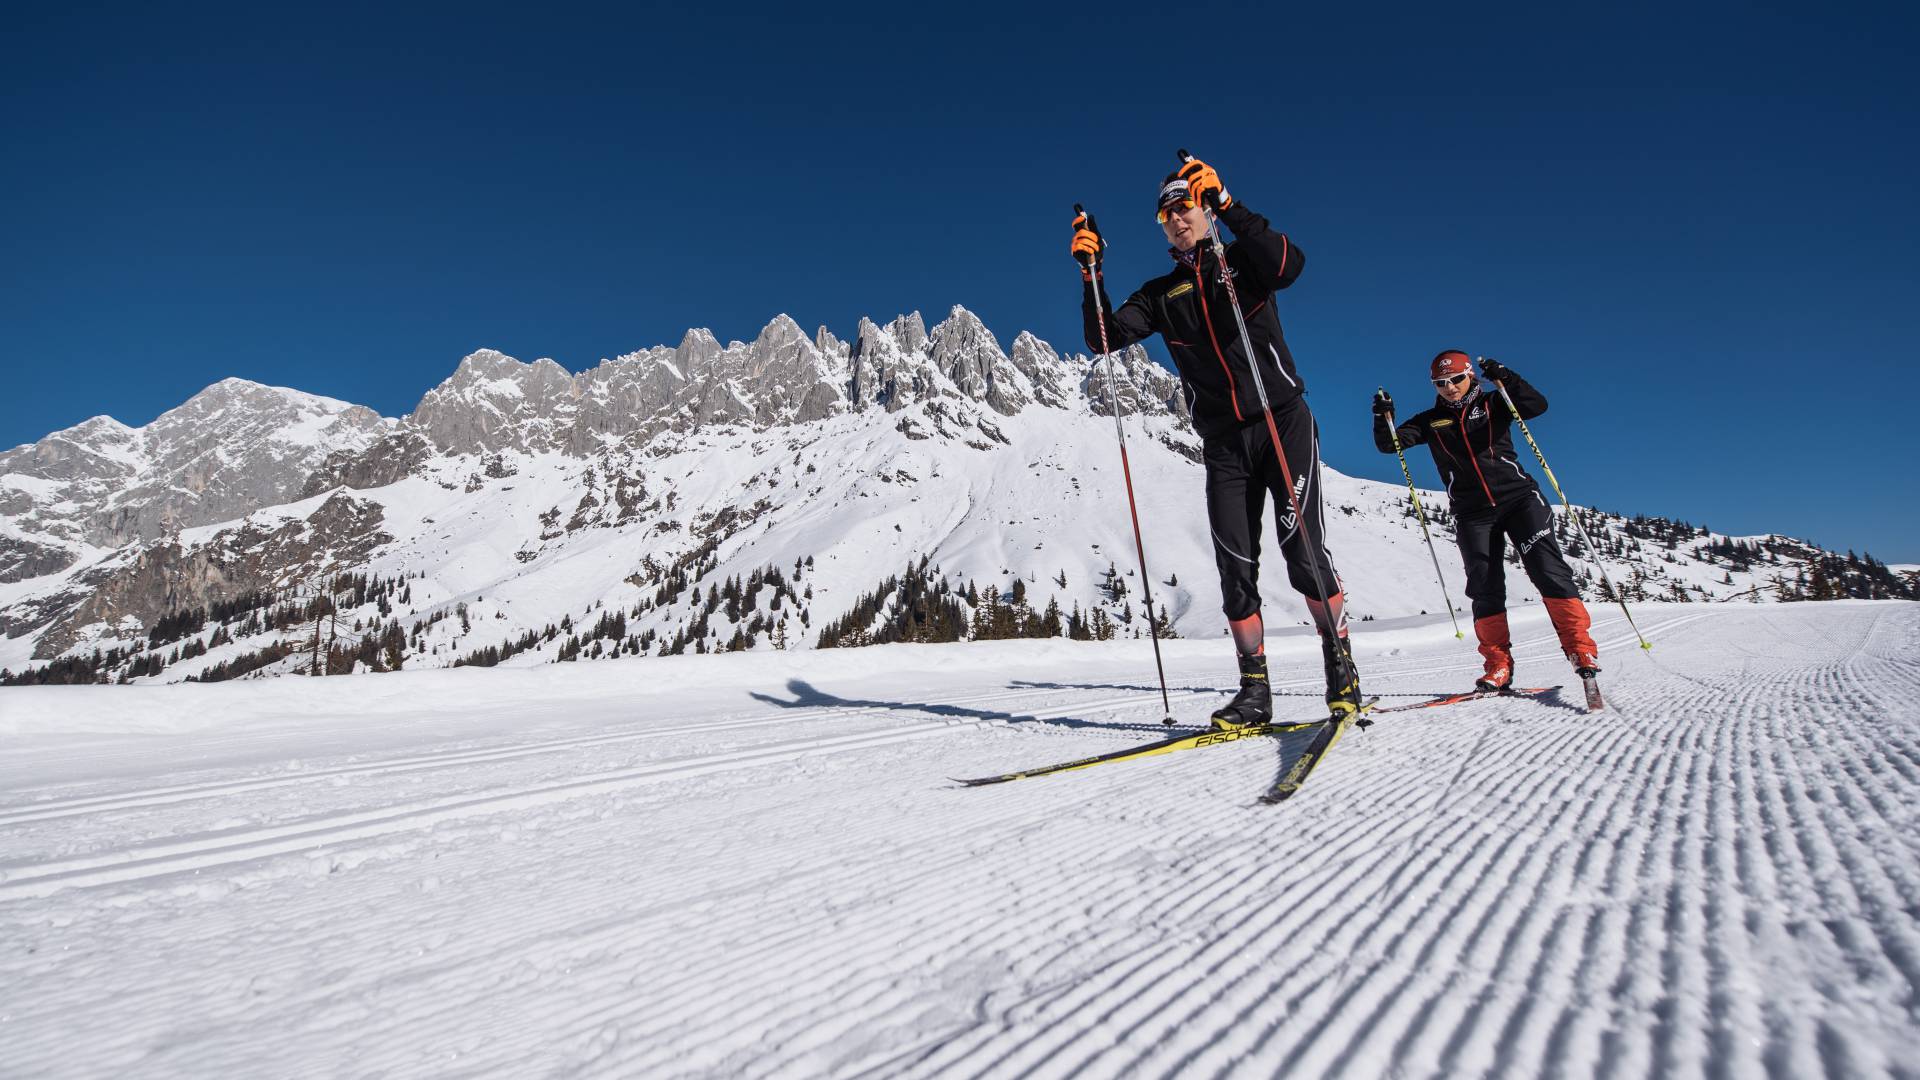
{"points": [[1472, 444], [1189, 307]]}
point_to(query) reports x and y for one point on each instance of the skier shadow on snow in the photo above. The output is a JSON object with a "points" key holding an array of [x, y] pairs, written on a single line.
{"points": [[808, 696]]}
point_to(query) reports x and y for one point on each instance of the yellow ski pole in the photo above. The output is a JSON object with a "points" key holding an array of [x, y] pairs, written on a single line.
{"points": [[1421, 511], [1548, 469]]}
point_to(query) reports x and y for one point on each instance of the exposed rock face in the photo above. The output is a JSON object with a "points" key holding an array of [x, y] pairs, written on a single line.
{"points": [[149, 583], [234, 447], [966, 354], [1049, 376], [392, 459], [1139, 385], [493, 401], [21, 558], [884, 373]]}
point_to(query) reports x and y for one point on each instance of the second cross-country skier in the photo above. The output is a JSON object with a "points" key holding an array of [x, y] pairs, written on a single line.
{"points": [[1493, 500], [1192, 308]]}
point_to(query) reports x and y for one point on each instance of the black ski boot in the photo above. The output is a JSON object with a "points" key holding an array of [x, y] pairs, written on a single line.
{"points": [[1343, 679], [1253, 705], [1586, 664]]}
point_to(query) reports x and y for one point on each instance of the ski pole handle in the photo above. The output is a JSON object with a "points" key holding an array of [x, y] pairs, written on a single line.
{"points": [[1213, 199], [1092, 225], [1094, 228]]}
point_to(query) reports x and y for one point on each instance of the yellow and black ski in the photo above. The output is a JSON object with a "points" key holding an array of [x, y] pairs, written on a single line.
{"points": [[1296, 774], [1191, 741]]}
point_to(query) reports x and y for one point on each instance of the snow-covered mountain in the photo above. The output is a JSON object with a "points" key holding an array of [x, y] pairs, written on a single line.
{"points": [[689, 498], [232, 448]]}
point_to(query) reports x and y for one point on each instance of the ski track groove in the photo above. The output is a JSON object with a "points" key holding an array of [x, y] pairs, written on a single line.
{"points": [[56, 808], [1500, 888]]}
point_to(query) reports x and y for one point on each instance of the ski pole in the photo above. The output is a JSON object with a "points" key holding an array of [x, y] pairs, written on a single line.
{"points": [[1331, 629], [1418, 509], [1548, 469], [1126, 470]]}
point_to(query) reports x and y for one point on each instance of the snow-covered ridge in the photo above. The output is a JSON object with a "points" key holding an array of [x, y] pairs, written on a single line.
{"points": [[231, 448], [544, 515]]}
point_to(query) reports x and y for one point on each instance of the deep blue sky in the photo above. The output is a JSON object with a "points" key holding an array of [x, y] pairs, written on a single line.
{"points": [[1695, 228]]}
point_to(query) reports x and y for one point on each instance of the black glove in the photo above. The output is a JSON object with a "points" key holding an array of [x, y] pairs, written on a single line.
{"points": [[1087, 242], [1382, 404], [1494, 371]]}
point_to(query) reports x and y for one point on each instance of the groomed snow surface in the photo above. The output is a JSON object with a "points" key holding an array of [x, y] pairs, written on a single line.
{"points": [[756, 865]]}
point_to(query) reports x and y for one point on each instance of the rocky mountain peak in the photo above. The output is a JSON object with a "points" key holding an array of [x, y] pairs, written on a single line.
{"points": [[966, 353], [832, 347], [910, 331], [780, 331], [697, 350]]}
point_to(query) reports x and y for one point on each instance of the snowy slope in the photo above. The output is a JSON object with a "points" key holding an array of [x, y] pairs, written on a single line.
{"points": [[756, 865], [519, 507]]}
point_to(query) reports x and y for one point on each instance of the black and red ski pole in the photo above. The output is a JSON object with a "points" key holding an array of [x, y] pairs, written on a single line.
{"points": [[1331, 626], [1126, 470]]}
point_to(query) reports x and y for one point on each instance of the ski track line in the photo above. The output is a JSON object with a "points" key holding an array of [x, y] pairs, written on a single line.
{"points": [[153, 797], [516, 749], [185, 792], [562, 936], [39, 879], [719, 1006], [53, 809]]}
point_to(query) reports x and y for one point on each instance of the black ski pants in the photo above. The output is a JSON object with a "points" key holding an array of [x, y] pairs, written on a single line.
{"points": [[1483, 536], [1242, 473]]}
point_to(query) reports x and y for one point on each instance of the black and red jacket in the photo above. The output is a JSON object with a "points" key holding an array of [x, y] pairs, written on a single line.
{"points": [[1191, 310], [1472, 444]]}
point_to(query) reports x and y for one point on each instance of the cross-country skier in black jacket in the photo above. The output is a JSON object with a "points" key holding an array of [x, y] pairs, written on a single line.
{"points": [[1469, 432], [1190, 308]]}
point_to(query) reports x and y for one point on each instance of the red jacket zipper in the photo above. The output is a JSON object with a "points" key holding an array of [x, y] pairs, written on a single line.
{"points": [[1206, 316]]}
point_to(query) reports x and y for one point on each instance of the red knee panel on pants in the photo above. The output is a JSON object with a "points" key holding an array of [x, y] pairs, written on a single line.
{"points": [[1571, 623], [1496, 644]]}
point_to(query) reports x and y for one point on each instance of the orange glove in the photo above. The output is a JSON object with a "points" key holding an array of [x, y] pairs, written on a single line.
{"points": [[1087, 243], [1203, 185]]}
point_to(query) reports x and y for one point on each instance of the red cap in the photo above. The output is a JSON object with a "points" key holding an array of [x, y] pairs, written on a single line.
{"points": [[1450, 363]]}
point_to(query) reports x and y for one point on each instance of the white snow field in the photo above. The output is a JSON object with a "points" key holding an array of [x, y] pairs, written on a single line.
{"points": [[757, 865]]}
